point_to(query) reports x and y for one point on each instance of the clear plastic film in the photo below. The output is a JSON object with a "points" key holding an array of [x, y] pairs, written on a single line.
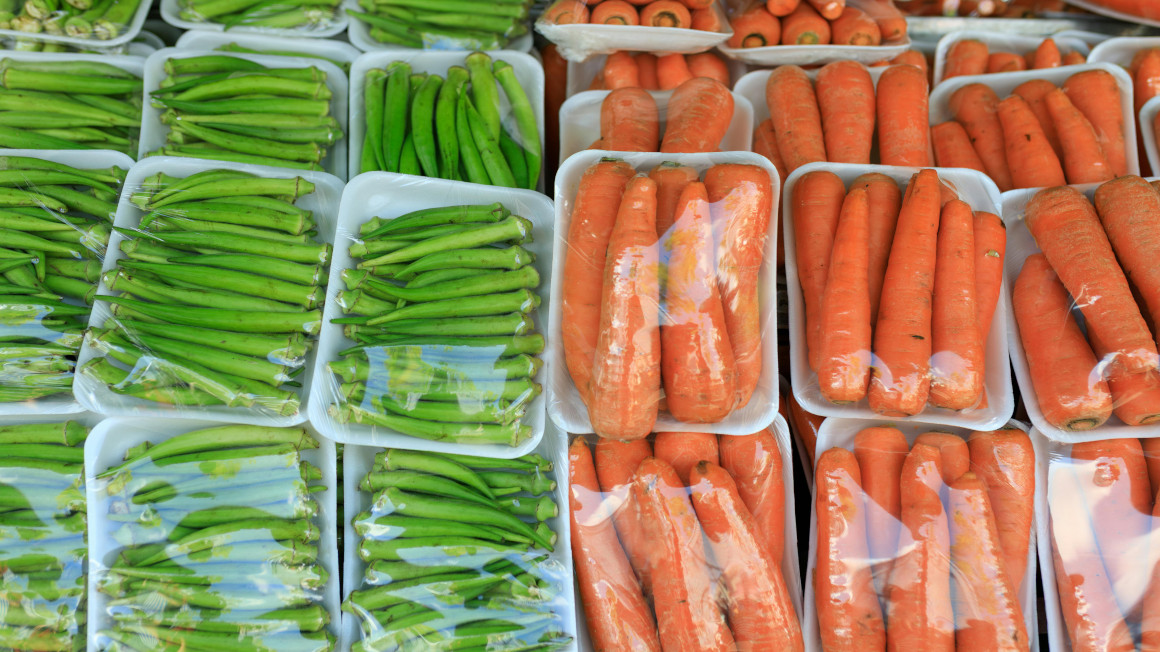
{"points": [[589, 74], [450, 551], [923, 535], [212, 537], [990, 52], [687, 540], [577, 41], [42, 534], [315, 19], [339, 53], [210, 303], [79, 24], [500, 26]]}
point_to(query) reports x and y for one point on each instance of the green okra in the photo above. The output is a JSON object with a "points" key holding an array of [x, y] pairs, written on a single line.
{"points": [[439, 216], [484, 283], [403, 527], [231, 363], [209, 63], [528, 462], [57, 82], [395, 109], [67, 433], [149, 250], [422, 482], [423, 124], [301, 152], [408, 158], [148, 288], [445, 131], [302, 531], [395, 459], [217, 438], [287, 349], [439, 276], [229, 242], [541, 508], [431, 547], [516, 302], [484, 91], [307, 296], [510, 228], [513, 154], [374, 92], [459, 364], [256, 85], [525, 120], [312, 618], [473, 166], [517, 392], [488, 412], [228, 213], [534, 483], [284, 105], [488, 147], [257, 321], [361, 303], [510, 434]]}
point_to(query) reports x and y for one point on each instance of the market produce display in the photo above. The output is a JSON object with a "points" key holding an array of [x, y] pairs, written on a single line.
{"points": [[623, 69], [686, 14], [100, 20], [282, 14], [215, 543], [973, 57], [816, 22], [457, 553], [69, 104], [241, 49], [697, 115], [42, 536], [441, 306], [452, 128], [444, 24], [54, 226], [218, 293]]}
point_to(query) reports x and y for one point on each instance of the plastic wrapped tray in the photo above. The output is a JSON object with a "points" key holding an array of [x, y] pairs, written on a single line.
{"points": [[752, 87], [360, 36], [171, 13], [1017, 43], [581, 73], [1112, 13], [334, 50], [1121, 49], [578, 42], [1148, 114], [124, 37]]}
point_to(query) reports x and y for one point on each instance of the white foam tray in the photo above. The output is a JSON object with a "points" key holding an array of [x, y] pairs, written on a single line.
{"points": [[1119, 15], [581, 73], [360, 36], [578, 42], [171, 13], [389, 195], [564, 404], [580, 122], [1121, 49], [97, 397], [130, 33], [1001, 42], [106, 447], [841, 433], [153, 133], [1148, 114], [331, 49], [752, 87], [978, 191]]}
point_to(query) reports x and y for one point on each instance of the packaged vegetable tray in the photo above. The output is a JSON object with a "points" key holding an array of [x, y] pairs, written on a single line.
{"points": [[313, 20], [337, 52], [1004, 45], [583, 74], [666, 28], [82, 25], [425, 25]]}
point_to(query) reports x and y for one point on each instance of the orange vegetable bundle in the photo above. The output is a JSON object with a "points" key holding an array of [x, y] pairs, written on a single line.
{"points": [[973, 57], [698, 116], [816, 22], [644, 70], [685, 14]]}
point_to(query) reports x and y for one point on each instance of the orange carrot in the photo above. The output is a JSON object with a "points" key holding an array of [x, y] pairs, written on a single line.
{"points": [[646, 67], [957, 367], [616, 462], [683, 450], [672, 71], [1033, 163], [1063, 368], [741, 198], [754, 28], [796, 118], [903, 131], [912, 58], [885, 201], [817, 203], [629, 121], [1068, 231], [1135, 396], [566, 12], [1096, 94], [756, 465], [1035, 92], [781, 7], [708, 64], [707, 20], [845, 95], [805, 27], [699, 114], [1145, 76], [952, 147], [828, 9], [1005, 461], [880, 452], [1151, 447], [593, 217], [671, 180], [1047, 55], [987, 613], [683, 594], [620, 70], [855, 27], [693, 5], [616, 614], [1129, 210], [666, 13], [597, 85], [765, 143], [990, 249], [1074, 58], [849, 616], [890, 20], [954, 456], [761, 613], [975, 106], [615, 12], [804, 426], [626, 369], [1005, 62], [844, 348], [1083, 158], [900, 382], [966, 57]]}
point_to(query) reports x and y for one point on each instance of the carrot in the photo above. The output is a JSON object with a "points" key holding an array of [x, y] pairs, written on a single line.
{"points": [[666, 13], [761, 613], [741, 198], [708, 64], [903, 131], [672, 71], [918, 591], [845, 95], [1083, 158], [1035, 92], [855, 27], [885, 201], [756, 465], [975, 106], [817, 204], [952, 147], [1068, 231], [987, 613], [959, 360], [616, 462], [966, 57], [880, 452], [699, 114], [620, 70], [754, 28], [1005, 62], [890, 20], [629, 121], [693, 5], [1047, 55], [1129, 209], [781, 7], [796, 118], [1063, 368], [1096, 94], [593, 217], [1145, 76], [954, 456], [616, 614], [1033, 163], [844, 345], [912, 58], [707, 20], [597, 85], [626, 369], [683, 594], [990, 237], [805, 427], [1074, 58], [671, 180], [1135, 396], [849, 617], [566, 12], [646, 66], [615, 12], [765, 143], [805, 27], [1005, 461], [683, 450], [828, 9], [900, 381]]}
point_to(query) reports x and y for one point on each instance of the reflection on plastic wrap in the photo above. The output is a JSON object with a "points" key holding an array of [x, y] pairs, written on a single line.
{"points": [[316, 16]]}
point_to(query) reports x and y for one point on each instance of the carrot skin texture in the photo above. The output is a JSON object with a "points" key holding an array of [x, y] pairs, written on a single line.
{"points": [[828, 9], [666, 13], [958, 364], [781, 7], [976, 107], [1129, 210], [755, 28], [1035, 93], [672, 71], [855, 27], [903, 128], [990, 235], [1032, 162], [953, 149], [765, 143], [616, 462], [891, 22], [1005, 62], [1097, 95], [1047, 55], [646, 70], [966, 57], [614, 12], [804, 426], [1083, 157], [793, 108], [1005, 462], [912, 58], [671, 181], [953, 455], [845, 94], [804, 26], [844, 356], [1145, 71], [885, 202], [709, 64], [817, 204], [629, 121], [880, 452], [756, 465], [683, 450], [706, 20], [567, 12], [620, 69], [699, 114]]}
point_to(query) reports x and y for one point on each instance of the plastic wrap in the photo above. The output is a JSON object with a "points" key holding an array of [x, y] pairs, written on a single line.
{"points": [[111, 25], [478, 561], [450, 38], [263, 143], [446, 390], [1148, 131], [339, 53], [579, 41], [802, 427], [211, 536], [997, 42], [642, 567], [315, 20], [1148, 14], [940, 537], [582, 74], [360, 36], [230, 337]]}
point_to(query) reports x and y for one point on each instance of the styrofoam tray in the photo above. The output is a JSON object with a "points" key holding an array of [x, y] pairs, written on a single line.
{"points": [[998, 42], [153, 133], [580, 121], [1091, 38], [1119, 15], [841, 433], [581, 73], [63, 404], [331, 49], [1121, 49], [1148, 114], [360, 36], [129, 34], [577, 42], [564, 404], [1020, 245], [171, 13], [528, 72], [106, 447], [358, 460], [389, 195], [96, 396], [752, 87], [978, 191]]}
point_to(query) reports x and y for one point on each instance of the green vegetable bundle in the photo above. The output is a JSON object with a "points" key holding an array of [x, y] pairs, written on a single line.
{"points": [[441, 307], [69, 105], [220, 286], [452, 129], [42, 536], [54, 226], [218, 544], [241, 49], [95, 19], [445, 24], [231, 109], [283, 14], [457, 558]]}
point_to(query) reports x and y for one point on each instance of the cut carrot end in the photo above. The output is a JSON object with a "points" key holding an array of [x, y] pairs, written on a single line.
{"points": [[754, 41]]}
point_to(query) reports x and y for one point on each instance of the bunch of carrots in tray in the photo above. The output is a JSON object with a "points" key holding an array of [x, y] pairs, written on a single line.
{"points": [[678, 544], [973, 57], [646, 70], [912, 282], [1040, 136], [1105, 256], [816, 22], [651, 299], [923, 547], [698, 115], [687, 14]]}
